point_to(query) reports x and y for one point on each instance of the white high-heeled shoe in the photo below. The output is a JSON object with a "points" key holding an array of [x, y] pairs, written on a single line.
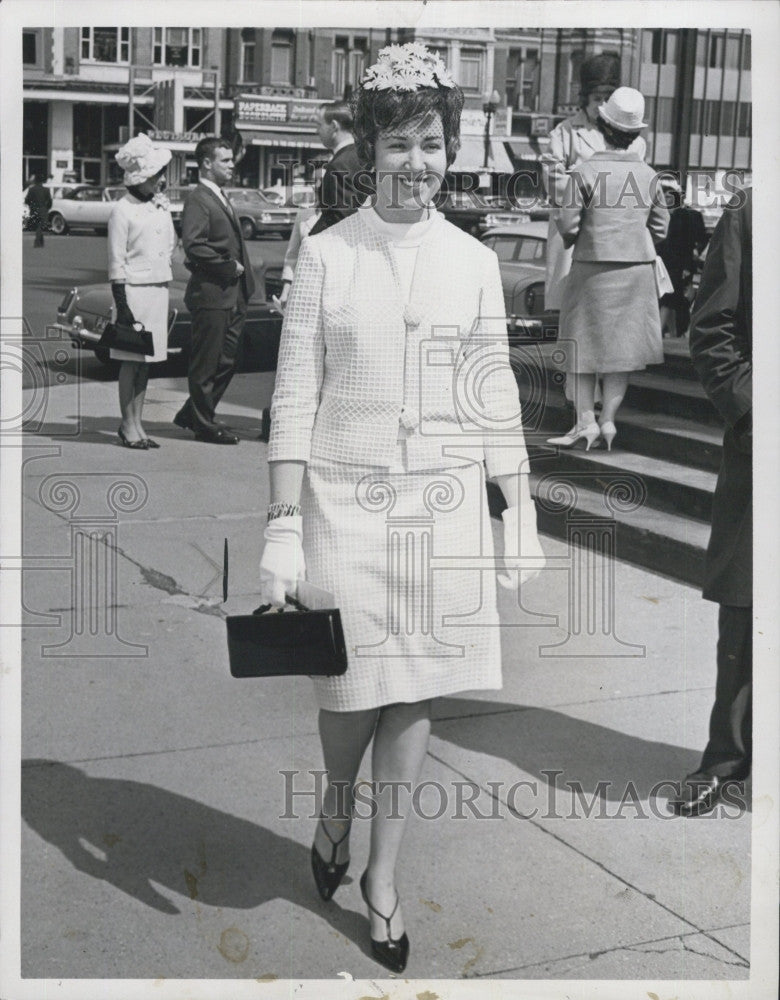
{"points": [[608, 432], [586, 428]]}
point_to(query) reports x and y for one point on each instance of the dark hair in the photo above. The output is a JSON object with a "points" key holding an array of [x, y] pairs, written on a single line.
{"points": [[598, 71], [207, 148], [616, 137], [376, 111], [339, 112]]}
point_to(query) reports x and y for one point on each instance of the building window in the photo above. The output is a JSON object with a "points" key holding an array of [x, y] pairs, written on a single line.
{"points": [[659, 113], [338, 74], [746, 50], [177, 47], [248, 54], [29, 48], [471, 69], [107, 45], [728, 116], [744, 122], [732, 52], [663, 46], [717, 46], [357, 61], [711, 117], [573, 83], [281, 57], [442, 51]]}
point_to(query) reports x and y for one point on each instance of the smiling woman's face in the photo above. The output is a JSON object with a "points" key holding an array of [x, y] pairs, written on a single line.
{"points": [[410, 162]]}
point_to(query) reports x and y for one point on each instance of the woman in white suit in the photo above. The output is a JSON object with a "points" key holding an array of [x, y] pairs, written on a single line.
{"points": [[393, 393], [141, 240]]}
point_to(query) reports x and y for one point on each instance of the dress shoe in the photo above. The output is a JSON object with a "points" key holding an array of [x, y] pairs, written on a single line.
{"points": [[217, 437], [608, 432], [150, 443], [393, 953], [699, 794], [328, 874], [139, 445], [586, 429]]}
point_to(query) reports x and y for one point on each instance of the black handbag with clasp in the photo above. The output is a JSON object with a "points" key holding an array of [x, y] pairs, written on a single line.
{"points": [[271, 643], [135, 339]]}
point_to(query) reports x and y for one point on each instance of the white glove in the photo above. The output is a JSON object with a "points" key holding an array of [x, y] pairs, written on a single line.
{"points": [[282, 564], [524, 557]]}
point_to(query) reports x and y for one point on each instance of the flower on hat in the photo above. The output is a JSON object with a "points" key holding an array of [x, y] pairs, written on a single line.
{"points": [[134, 150], [406, 67]]}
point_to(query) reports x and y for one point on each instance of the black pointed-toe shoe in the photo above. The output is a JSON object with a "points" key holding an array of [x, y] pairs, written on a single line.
{"points": [[392, 953], [328, 874], [699, 794]]}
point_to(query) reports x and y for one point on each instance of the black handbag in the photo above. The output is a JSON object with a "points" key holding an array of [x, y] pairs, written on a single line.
{"points": [[134, 339], [275, 644]]}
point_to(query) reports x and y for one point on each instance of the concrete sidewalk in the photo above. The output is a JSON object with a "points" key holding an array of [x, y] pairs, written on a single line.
{"points": [[154, 843]]}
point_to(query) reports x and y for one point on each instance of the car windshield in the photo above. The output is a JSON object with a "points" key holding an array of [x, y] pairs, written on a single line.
{"points": [[249, 195]]}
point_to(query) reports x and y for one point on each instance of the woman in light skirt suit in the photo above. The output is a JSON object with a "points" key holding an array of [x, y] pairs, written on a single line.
{"points": [[614, 215], [393, 396], [141, 240]]}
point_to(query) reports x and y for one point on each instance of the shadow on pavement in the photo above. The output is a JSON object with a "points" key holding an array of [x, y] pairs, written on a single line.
{"points": [[129, 834], [541, 741]]}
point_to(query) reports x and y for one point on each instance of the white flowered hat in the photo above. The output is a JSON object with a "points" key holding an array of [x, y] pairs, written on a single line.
{"points": [[141, 159], [406, 67]]}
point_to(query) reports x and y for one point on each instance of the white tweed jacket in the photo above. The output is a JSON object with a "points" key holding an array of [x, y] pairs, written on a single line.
{"points": [[141, 241], [356, 361]]}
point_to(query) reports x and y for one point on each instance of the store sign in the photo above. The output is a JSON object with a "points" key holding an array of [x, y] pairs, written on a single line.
{"points": [[164, 136], [540, 126], [256, 110]]}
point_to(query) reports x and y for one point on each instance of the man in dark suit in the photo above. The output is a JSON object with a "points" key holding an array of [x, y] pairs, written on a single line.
{"points": [[721, 348], [38, 200], [219, 288], [337, 197]]}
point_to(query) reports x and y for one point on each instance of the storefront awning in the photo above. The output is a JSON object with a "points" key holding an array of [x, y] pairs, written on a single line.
{"points": [[471, 156], [288, 139]]}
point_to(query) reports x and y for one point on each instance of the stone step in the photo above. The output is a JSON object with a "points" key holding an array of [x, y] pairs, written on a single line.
{"points": [[665, 486], [661, 542]]}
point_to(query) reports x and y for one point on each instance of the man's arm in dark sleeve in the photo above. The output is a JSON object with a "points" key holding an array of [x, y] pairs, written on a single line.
{"points": [[720, 346], [201, 255]]}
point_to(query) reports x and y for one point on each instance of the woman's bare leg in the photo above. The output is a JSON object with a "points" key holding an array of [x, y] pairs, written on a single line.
{"points": [[344, 737], [400, 746]]}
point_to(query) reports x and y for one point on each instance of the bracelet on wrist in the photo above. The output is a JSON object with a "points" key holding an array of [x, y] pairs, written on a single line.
{"points": [[280, 509]]}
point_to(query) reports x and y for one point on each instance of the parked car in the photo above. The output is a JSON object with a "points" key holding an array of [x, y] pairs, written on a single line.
{"points": [[475, 213], [86, 310], [302, 195], [86, 206], [522, 257], [258, 215]]}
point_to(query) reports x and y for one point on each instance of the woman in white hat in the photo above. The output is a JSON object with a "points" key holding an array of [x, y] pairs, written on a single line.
{"points": [[614, 214], [141, 239]]}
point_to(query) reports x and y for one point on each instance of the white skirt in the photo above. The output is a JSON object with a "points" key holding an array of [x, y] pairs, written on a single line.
{"points": [[149, 305], [413, 629]]}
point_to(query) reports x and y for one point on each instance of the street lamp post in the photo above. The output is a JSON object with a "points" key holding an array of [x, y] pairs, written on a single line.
{"points": [[490, 107]]}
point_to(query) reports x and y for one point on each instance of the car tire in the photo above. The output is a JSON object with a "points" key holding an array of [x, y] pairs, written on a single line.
{"points": [[57, 224], [248, 230]]}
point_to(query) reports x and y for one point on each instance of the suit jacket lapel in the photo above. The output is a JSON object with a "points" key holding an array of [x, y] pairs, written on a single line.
{"points": [[226, 208]]}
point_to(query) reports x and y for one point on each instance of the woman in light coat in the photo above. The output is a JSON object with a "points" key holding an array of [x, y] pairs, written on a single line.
{"points": [[571, 142], [393, 394], [614, 215], [141, 240]]}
